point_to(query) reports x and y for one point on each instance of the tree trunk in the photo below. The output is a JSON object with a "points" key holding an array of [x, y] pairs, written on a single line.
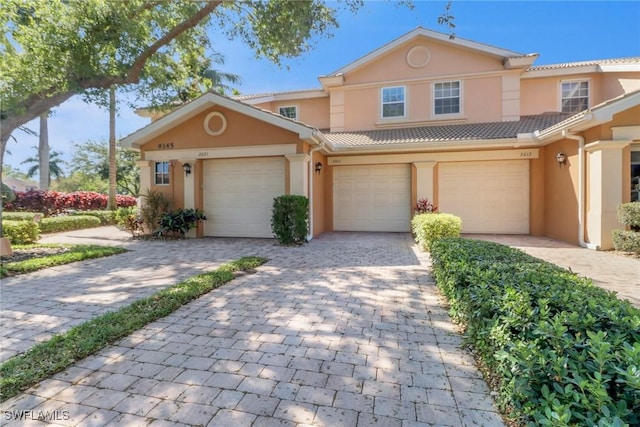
{"points": [[43, 152], [112, 149]]}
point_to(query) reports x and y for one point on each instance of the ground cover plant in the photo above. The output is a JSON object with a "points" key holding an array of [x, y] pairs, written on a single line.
{"points": [[559, 350], [28, 258], [61, 351]]}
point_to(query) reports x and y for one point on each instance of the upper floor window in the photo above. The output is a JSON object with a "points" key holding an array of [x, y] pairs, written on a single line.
{"points": [[289, 111], [575, 96], [393, 102], [446, 98], [162, 173]]}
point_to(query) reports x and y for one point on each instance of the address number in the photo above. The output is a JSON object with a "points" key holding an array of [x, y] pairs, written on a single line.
{"points": [[165, 146], [526, 154], [203, 154]]}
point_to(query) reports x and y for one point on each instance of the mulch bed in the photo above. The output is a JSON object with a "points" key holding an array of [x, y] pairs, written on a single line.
{"points": [[25, 254]]}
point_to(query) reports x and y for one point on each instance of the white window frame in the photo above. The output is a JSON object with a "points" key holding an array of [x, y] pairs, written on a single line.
{"points": [[295, 109], [562, 98], [434, 99], [404, 102], [635, 186], [161, 174]]}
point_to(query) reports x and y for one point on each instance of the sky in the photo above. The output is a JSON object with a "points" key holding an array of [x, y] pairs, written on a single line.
{"points": [[559, 31]]}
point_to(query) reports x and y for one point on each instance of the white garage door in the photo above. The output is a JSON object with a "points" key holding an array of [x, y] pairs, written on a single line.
{"points": [[490, 197], [239, 193], [372, 198]]}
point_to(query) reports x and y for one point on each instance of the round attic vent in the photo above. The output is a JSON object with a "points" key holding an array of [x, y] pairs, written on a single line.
{"points": [[220, 120], [418, 56]]}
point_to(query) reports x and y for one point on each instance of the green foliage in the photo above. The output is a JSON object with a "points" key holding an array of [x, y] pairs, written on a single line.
{"points": [[63, 350], [561, 351], [73, 253], [290, 219], [8, 195], [57, 224], [20, 232], [429, 227], [105, 217], [629, 214], [129, 219], [626, 241], [179, 222], [154, 206], [21, 216]]}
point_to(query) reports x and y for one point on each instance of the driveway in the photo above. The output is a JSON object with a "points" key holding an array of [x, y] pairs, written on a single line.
{"points": [[347, 330]]}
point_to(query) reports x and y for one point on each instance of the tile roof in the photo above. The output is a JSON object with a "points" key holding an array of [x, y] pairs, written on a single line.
{"points": [[629, 60], [443, 133], [251, 96]]}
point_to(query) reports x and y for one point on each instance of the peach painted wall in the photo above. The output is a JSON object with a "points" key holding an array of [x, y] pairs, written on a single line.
{"points": [[561, 192], [481, 102], [537, 194], [241, 130], [312, 111], [319, 194], [445, 60]]}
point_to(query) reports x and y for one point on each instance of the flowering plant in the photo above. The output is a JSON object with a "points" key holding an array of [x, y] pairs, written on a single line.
{"points": [[425, 206]]}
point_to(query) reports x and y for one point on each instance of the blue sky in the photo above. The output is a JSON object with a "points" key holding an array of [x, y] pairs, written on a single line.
{"points": [[560, 31]]}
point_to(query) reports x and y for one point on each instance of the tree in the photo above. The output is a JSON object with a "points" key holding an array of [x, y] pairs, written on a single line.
{"points": [[43, 152], [54, 49], [90, 169], [55, 166]]}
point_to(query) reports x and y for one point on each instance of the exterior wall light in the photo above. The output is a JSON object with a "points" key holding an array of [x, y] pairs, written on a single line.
{"points": [[318, 167], [561, 158], [187, 168]]}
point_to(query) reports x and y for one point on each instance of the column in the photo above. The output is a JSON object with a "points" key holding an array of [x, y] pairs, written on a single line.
{"points": [[189, 201], [145, 177], [604, 183], [424, 180], [298, 174]]}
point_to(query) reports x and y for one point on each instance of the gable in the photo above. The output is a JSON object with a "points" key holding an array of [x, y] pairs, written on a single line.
{"points": [[425, 58]]}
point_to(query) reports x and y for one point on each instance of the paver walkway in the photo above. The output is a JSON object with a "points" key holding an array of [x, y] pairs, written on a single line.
{"points": [[347, 330], [610, 271]]}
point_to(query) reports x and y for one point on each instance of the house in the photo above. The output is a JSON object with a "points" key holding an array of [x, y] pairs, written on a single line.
{"points": [[508, 146]]}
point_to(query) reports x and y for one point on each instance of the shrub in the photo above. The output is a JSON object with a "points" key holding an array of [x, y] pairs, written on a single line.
{"points": [[155, 205], [560, 350], [105, 217], [128, 219], [179, 222], [425, 206], [52, 203], [290, 219], [21, 216], [626, 241], [431, 226], [68, 223], [20, 232], [629, 214]]}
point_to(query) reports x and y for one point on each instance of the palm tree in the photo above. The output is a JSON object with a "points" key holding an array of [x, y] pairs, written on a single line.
{"points": [[55, 166]]}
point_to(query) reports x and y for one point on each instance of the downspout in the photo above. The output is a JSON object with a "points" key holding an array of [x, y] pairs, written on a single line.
{"points": [[311, 173], [581, 189]]}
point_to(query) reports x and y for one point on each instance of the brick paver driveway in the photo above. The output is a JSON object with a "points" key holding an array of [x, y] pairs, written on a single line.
{"points": [[347, 330]]}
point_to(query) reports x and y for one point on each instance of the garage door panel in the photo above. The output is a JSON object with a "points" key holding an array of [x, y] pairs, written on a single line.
{"points": [[238, 195], [490, 197], [372, 198]]}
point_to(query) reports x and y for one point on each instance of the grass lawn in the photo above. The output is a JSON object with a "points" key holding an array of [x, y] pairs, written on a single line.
{"points": [[28, 258], [63, 350]]}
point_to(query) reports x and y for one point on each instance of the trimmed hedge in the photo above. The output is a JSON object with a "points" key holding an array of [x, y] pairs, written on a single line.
{"points": [[626, 241], [105, 217], [54, 203], [290, 219], [21, 232], [428, 227], [560, 350], [68, 223], [20, 216], [629, 214]]}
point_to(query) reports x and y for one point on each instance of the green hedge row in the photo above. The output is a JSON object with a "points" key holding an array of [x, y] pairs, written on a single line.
{"points": [[57, 224], [20, 216], [428, 227], [20, 232], [561, 351], [105, 217]]}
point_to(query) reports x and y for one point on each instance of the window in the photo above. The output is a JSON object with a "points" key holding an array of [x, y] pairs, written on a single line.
{"points": [[635, 176], [290, 112], [162, 173], [392, 102], [575, 96], [446, 98]]}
